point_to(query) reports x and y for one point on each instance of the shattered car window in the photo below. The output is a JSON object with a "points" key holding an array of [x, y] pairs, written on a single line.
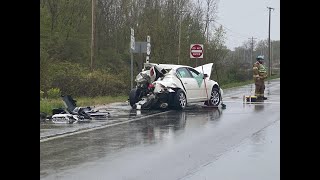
{"points": [[198, 76], [183, 73], [194, 73]]}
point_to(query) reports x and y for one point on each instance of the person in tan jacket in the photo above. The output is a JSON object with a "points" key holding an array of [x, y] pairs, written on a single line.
{"points": [[259, 75]]}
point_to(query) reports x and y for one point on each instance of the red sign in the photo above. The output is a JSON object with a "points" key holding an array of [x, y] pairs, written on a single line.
{"points": [[196, 51]]}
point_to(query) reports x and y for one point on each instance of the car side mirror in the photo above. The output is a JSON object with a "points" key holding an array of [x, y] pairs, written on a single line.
{"points": [[205, 76]]}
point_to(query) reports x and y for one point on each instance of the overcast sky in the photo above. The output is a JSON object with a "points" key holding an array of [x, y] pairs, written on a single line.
{"points": [[248, 18]]}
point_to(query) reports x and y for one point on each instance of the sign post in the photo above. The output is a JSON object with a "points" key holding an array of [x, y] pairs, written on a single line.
{"points": [[196, 51], [138, 47], [148, 49], [132, 48]]}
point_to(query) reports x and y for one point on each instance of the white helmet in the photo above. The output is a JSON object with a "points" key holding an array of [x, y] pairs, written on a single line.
{"points": [[260, 57]]}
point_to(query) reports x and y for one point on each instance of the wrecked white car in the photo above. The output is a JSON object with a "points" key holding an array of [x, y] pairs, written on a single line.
{"points": [[174, 86]]}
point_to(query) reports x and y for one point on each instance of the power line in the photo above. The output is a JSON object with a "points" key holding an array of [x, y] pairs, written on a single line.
{"points": [[235, 34], [232, 30], [239, 35]]}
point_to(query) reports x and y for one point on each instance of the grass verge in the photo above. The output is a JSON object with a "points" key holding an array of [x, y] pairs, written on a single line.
{"points": [[236, 84], [46, 105]]}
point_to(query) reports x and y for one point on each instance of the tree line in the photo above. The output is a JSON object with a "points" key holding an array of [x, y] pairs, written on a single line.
{"points": [[65, 41]]}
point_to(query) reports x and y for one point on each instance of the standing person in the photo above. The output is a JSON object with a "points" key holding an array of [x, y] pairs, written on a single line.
{"points": [[259, 75]]}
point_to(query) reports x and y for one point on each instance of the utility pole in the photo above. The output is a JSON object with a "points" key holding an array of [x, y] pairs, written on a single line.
{"points": [[252, 49], [93, 32], [269, 43], [208, 22], [179, 35], [207, 39]]}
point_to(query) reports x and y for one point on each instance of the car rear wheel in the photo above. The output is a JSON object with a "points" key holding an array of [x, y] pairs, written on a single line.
{"points": [[215, 97], [134, 96], [180, 100]]}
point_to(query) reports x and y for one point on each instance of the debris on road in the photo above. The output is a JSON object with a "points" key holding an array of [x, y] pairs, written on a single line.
{"points": [[73, 114]]}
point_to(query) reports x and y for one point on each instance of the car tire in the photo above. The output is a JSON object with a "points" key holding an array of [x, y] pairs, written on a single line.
{"points": [[215, 97], [134, 96], [179, 100]]}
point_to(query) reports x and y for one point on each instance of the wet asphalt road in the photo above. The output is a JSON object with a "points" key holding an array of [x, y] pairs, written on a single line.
{"points": [[239, 142]]}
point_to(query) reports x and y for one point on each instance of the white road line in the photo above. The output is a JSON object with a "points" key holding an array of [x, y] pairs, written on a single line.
{"points": [[100, 127]]}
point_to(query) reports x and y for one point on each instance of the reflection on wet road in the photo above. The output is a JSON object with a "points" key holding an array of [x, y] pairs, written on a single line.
{"points": [[257, 157], [144, 132], [120, 112], [169, 145]]}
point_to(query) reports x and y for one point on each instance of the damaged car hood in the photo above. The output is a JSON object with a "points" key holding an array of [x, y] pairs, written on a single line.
{"points": [[169, 81]]}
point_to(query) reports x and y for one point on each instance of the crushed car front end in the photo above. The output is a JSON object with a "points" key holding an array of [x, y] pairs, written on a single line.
{"points": [[155, 89]]}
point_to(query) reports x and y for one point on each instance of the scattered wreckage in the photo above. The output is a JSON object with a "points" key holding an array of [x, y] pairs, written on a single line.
{"points": [[73, 114], [174, 86]]}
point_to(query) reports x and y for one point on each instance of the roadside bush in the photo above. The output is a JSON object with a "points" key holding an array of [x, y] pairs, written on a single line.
{"points": [[41, 94], [99, 83], [78, 81], [53, 93]]}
